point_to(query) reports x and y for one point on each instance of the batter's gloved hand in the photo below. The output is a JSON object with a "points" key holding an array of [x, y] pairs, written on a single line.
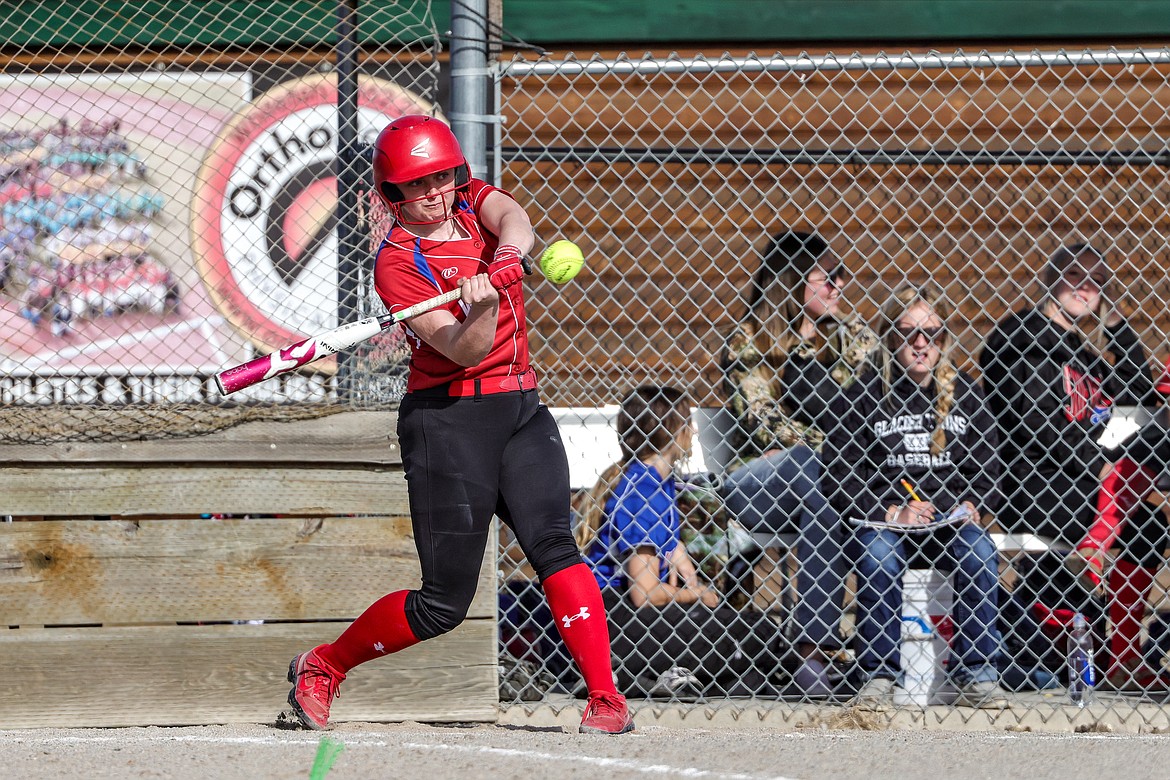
{"points": [[506, 267]]}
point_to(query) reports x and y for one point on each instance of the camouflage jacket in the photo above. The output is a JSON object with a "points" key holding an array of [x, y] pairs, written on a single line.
{"points": [[755, 394]]}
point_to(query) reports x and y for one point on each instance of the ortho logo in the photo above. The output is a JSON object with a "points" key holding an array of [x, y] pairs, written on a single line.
{"points": [[264, 212], [582, 615]]}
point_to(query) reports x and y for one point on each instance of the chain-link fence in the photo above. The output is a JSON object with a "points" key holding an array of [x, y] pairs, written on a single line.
{"points": [[895, 289], [170, 206]]}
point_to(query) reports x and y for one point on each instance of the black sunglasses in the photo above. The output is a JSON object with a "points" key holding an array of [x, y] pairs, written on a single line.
{"points": [[910, 335], [1076, 277], [837, 276]]}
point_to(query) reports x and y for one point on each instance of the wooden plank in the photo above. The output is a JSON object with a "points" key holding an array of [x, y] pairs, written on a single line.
{"points": [[169, 490], [154, 571], [189, 675], [351, 438]]}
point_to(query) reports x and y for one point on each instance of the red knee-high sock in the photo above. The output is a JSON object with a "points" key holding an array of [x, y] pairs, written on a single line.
{"points": [[1124, 487], [380, 630], [575, 602], [1129, 587]]}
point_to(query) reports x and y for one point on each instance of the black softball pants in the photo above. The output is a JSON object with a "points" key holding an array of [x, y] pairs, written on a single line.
{"points": [[466, 459]]}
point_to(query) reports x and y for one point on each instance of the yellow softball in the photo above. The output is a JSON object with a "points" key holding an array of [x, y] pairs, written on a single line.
{"points": [[561, 261]]}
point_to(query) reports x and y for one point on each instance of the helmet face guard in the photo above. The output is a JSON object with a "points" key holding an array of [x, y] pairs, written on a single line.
{"points": [[411, 148], [396, 206]]}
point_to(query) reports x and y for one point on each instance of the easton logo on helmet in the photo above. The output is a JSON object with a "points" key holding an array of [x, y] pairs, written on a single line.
{"points": [[420, 149]]}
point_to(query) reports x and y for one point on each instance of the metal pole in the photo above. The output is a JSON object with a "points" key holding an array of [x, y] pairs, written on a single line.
{"points": [[805, 63], [469, 75], [348, 237], [679, 155]]}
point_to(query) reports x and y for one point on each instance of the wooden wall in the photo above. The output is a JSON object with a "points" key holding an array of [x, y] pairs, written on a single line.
{"points": [[118, 601], [671, 246]]}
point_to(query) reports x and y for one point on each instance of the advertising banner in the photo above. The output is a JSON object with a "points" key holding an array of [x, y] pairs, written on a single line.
{"points": [[157, 227]]}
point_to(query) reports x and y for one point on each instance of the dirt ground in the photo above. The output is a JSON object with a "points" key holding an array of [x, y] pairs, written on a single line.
{"points": [[429, 752]]}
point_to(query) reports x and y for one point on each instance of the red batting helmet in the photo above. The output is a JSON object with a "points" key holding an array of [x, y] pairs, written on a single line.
{"points": [[412, 147]]}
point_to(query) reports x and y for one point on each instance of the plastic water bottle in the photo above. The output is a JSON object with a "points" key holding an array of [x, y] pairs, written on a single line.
{"points": [[1082, 678]]}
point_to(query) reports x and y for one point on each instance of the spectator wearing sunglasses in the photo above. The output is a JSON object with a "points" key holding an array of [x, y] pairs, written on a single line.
{"points": [[913, 469], [791, 356], [1053, 374]]}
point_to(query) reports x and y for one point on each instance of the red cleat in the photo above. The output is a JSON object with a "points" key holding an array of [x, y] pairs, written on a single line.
{"points": [[315, 686], [606, 713]]}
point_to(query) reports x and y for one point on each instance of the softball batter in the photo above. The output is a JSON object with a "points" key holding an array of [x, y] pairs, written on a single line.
{"points": [[476, 440]]}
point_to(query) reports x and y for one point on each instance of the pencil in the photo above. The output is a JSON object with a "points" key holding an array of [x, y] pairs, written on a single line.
{"points": [[910, 490]]}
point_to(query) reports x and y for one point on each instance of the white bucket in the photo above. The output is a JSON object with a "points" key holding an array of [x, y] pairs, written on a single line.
{"points": [[927, 598]]}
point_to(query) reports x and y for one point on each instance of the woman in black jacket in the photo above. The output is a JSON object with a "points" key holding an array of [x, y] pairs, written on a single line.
{"points": [[1052, 376], [913, 465]]}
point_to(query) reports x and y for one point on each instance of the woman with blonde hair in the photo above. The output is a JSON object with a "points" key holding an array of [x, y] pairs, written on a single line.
{"points": [[913, 466], [792, 353]]}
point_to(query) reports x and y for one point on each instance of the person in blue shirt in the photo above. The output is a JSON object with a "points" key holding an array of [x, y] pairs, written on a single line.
{"points": [[641, 545], [670, 627]]}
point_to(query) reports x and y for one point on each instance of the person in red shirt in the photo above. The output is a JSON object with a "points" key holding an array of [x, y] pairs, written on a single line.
{"points": [[475, 438], [1137, 465]]}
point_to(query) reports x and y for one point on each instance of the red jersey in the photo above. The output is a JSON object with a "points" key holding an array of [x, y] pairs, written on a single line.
{"points": [[409, 269]]}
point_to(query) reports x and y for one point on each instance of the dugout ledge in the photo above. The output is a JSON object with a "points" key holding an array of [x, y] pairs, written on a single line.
{"points": [[132, 569]]}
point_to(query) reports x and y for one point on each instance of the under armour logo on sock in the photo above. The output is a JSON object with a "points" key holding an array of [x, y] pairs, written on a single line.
{"points": [[568, 619], [381, 648]]}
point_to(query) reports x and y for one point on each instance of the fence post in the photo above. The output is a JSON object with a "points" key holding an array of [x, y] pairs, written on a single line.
{"points": [[348, 237], [469, 51]]}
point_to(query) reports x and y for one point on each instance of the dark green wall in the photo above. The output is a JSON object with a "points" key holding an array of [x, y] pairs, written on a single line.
{"points": [[767, 21], [191, 24], [31, 25]]}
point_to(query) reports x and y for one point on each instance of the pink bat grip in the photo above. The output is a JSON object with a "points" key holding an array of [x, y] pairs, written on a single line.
{"points": [[304, 352], [268, 366]]}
